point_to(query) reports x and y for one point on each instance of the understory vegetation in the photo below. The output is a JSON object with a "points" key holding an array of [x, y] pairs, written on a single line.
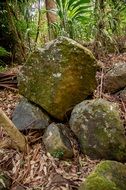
{"points": [[26, 24]]}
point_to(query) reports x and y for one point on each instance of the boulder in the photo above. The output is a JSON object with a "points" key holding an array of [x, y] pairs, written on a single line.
{"points": [[28, 115], [58, 76], [57, 142], [115, 79], [108, 175], [5, 181], [99, 129]]}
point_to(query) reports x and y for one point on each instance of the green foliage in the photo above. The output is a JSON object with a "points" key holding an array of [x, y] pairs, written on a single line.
{"points": [[82, 20], [4, 52], [58, 154], [71, 14], [2, 69], [115, 15], [107, 23]]}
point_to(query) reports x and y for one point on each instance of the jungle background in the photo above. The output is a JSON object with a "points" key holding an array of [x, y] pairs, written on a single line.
{"points": [[27, 24]]}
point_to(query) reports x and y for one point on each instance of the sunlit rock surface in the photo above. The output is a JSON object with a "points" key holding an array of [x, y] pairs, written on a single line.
{"points": [[59, 76]]}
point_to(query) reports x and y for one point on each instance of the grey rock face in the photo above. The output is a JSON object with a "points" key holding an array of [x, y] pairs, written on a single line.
{"points": [[115, 79], [57, 142], [99, 129], [28, 115], [108, 175], [58, 76]]}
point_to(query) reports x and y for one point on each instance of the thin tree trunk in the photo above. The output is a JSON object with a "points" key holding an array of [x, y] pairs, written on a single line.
{"points": [[99, 13], [27, 22], [51, 17], [39, 21]]}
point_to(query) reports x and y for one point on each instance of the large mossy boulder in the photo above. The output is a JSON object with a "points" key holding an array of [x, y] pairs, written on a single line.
{"points": [[115, 78], [99, 129], [57, 142], [29, 116], [58, 76], [108, 175]]}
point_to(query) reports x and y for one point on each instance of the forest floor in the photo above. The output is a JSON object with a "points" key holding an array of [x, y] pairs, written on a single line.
{"points": [[38, 168]]}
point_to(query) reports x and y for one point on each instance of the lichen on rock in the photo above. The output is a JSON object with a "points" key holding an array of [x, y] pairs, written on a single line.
{"points": [[58, 76], [99, 129]]}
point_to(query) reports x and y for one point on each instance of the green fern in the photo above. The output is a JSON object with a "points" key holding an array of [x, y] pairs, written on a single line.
{"points": [[58, 154]]}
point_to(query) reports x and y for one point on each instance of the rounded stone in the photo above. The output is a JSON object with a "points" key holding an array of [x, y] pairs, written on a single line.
{"points": [[99, 129]]}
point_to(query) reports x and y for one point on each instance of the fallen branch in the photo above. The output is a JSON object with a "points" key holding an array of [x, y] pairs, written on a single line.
{"points": [[8, 80], [13, 132]]}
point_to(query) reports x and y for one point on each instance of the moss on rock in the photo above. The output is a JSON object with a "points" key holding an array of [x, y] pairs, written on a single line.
{"points": [[57, 142], [58, 76], [99, 129], [108, 175]]}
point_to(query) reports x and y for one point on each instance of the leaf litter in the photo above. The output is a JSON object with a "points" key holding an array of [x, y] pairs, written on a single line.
{"points": [[38, 169]]}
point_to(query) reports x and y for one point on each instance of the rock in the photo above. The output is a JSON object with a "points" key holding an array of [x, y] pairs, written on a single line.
{"points": [[59, 76], [5, 181], [28, 115], [99, 129], [122, 95], [108, 175], [57, 142], [115, 79]]}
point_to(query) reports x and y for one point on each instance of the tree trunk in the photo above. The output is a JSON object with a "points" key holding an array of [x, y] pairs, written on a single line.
{"points": [[39, 20], [99, 13], [51, 17], [13, 29], [13, 132]]}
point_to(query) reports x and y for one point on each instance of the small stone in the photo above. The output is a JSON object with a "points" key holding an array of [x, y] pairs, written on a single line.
{"points": [[115, 79], [99, 129], [108, 175], [57, 142], [29, 116]]}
